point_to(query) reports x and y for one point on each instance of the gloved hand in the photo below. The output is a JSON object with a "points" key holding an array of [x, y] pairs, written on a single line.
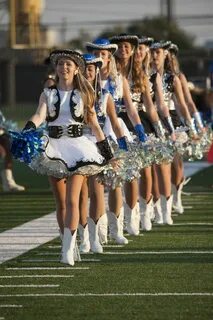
{"points": [[122, 143], [140, 132], [29, 126]]}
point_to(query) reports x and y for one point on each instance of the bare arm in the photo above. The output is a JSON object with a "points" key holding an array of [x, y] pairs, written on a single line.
{"points": [[150, 108], [96, 129], [131, 110], [180, 99], [187, 94], [162, 107], [113, 118], [40, 115]]}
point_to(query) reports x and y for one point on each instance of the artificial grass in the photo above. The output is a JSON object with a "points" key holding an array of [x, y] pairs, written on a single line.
{"points": [[186, 269]]}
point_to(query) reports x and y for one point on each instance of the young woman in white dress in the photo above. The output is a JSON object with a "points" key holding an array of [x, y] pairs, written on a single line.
{"points": [[68, 152], [105, 110], [117, 85]]}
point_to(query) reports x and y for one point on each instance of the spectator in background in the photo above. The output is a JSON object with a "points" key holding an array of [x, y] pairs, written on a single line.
{"points": [[203, 99], [8, 182]]}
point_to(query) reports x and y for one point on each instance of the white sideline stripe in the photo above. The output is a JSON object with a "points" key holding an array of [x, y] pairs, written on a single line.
{"points": [[134, 294], [24, 240], [155, 252], [37, 276], [56, 260], [191, 168], [11, 306], [48, 268], [29, 286], [193, 224]]}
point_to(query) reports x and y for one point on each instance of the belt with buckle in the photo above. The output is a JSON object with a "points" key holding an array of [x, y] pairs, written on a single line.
{"points": [[72, 131]]}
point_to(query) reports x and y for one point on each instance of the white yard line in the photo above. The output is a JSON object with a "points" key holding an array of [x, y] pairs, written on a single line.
{"points": [[38, 276], [122, 294], [23, 238], [56, 260], [154, 252], [193, 224], [48, 268], [11, 305], [29, 286], [191, 168]]}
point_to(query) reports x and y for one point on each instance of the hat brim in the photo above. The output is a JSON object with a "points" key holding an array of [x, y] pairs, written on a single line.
{"points": [[131, 39], [97, 62], [75, 56], [147, 42], [90, 46], [158, 45]]}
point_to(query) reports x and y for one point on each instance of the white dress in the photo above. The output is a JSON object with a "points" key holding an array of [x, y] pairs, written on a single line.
{"points": [[66, 155], [116, 90]]}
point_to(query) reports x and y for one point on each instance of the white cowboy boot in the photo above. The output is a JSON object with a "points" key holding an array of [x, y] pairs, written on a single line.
{"points": [[166, 207], [145, 209], [132, 219], [177, 201], [69, 242], [158, 212], [103, 229], [116, 227], [8, 182], [77, 256], [152, 211], [95, 245], [84, 238]]}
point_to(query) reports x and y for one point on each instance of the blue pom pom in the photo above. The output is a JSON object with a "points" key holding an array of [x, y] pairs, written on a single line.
{"points": [[26, 145]]}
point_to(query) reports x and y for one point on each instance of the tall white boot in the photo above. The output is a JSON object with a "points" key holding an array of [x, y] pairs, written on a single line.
{"points": [[8, 182], [69, 242], [77, 256], [116, 227], [84, 238], [177, 201], [95, 245], [145, 209], [103, 229], [132, 219], [158, 212], [166, 207]]}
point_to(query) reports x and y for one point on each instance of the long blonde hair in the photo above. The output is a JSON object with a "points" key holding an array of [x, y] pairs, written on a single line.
{"points": [[87, 93], [173, 63]]}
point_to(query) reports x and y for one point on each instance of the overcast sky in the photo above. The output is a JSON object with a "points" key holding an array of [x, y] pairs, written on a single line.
{"points": [[95, 15]]}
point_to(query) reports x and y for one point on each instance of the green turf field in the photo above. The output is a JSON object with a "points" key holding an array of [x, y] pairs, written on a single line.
{"points": [[162, 274]]}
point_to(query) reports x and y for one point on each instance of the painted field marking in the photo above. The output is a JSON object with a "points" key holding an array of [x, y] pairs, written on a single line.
{"points": [[155, 252], [56, 260], [31, 238], [193, 224], [122, 294], [48, 268], [38, 276], [11, 305], [29, 286]]}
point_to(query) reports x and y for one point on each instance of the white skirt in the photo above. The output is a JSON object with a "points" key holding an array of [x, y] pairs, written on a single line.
{"points": [[66, 156]]}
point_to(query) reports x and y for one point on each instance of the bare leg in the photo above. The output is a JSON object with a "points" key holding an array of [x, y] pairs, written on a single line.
{"points": [[96, 192], [59, 190], [145, 184], [131, 193], [5, 151], [74, 185], [177, 170], [115, 200], [155, 186], [83, 203], [164, 176]]}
